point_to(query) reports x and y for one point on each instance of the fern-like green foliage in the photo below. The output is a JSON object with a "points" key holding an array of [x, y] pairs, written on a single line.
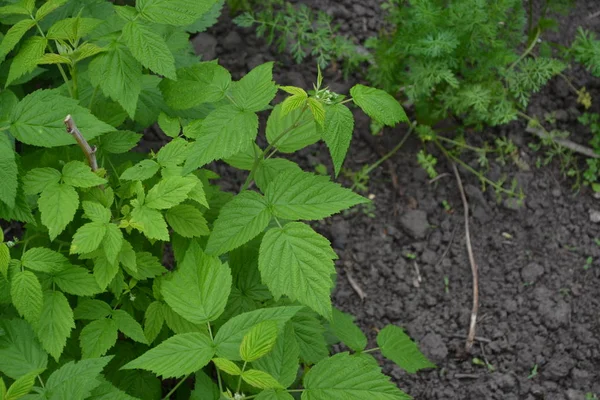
{"points": [[586, 50]]}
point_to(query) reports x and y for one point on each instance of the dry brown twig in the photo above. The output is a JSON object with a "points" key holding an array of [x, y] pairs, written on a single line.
{"points": [[89, 151], [473, 323], [577, 148], [355, 285]]}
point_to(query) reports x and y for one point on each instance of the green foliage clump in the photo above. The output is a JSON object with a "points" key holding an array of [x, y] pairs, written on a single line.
{"points": [[136, 266], [586, 51]]}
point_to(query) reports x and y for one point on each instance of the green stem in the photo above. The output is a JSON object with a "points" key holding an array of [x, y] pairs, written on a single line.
{"points": [[569, 83], [168, 396], [371, 350], [218, 372], [60, 68], [41, 381], [463, 145], [391, 152], [240, 379], [93, 98], [74, 81], [529, 49]]}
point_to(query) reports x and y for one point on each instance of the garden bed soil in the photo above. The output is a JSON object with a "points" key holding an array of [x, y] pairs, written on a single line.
{"points": [[539, 316]]}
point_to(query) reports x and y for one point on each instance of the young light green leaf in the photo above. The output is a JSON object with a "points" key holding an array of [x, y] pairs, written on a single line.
{"points": [[199, 289], [16, 9], [87, 238], [20, 351], [240, 220], [76, 280], [205, 82], [38, 179], [260, 379], [149, 48], [72, 29], [169, 125], [224, 132], [398, 347], [55, 323], [119, 142], [256, 89], [150, 222], [173, 12], [310, 336], [14, 35], [129, 326], [98, 337], [298, 262], [337, 133], [169, 192], [345, 329], [259, 340], [112, 243], [22, 386], [104, 271], [299, 125], [377, 104], [187, 221], [91, 309], [58, 204], [294, 102], [26, 294], [4, 259], [346, 377], [119, 76], [282, 361], [229, 337], [47, 8], [141, 171], [154, 319], [27, 58], [317, 110], [177, 356], [34, 123], [95, 211], [173, 153], [274, 394], [78, 174], [44, 260], [297, 195], [76, 380], [229, 367]]}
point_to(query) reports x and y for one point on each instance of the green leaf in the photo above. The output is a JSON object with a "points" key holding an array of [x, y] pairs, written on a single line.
{"points": [[169, 125], [76, 380], [205, 82], [260, 379], [4, 259], [20, 351], [297, 195], [44, 260], [26, 294], [256, 89], [398, 347], [282, 361], [269, 169], [119, 142], [147, 265], [378, 105], [38, 120], [274, 394], [27, 58], [337, 133], [112, 243], [173, 12], [72, 29], [58, 204], [104, 271], [177, 356], [119, 76], [150, 222], [55, 324], [297, 100], [344, 328], [78, 174], [129, 326], [229, 337], [98, 337], [346, 377], [95, 211], [149, 48], [14, 35], [141, 171], [259, 340], [48, 7], [239, 221], [87, 238], [22, 386], [224, 132], [169, 192], [298, 262], [310, 336], [38, 179], [187, 221], [154, 319], [106, 391], [76, 280], [178, 324], [229, 367], [92, 309], [199, 289], [318, 110], [300, 127]]}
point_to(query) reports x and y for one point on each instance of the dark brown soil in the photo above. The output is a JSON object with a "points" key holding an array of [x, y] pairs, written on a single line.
{"points": [[539, 320]]}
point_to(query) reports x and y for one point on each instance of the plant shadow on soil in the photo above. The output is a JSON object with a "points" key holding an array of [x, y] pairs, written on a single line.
{"points": [[539, 316]]}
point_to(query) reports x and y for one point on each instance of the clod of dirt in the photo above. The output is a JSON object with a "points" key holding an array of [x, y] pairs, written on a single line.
{"points": [[434, 347], [232, 41], [559, 367], [513, 204], [205, 45], [595, 216], [415, 223], [532, 272], [554, 314], [573, 394]]}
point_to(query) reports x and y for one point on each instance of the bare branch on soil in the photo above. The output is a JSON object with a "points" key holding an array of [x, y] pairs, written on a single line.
{"points": [[577, 148]]}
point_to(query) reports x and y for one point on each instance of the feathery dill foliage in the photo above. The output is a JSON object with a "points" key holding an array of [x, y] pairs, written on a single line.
{"points": [[586, 51], [302, 32], [461, 59]]}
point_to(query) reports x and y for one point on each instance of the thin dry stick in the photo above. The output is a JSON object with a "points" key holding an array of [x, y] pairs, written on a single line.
{"points": [[577, 148], [355, 285], [594, 15], [471, 334], [89, 151], [447, 248]]}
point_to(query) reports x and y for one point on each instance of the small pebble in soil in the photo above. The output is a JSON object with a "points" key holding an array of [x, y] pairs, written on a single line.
{"points": [[594, 216], [434, 347], [532, 272]]}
